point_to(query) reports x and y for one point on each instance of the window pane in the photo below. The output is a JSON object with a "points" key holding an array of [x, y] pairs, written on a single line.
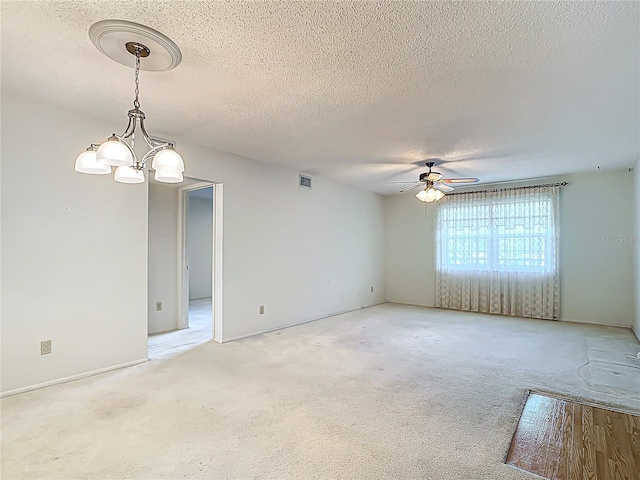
{"points": [[511, 235]]}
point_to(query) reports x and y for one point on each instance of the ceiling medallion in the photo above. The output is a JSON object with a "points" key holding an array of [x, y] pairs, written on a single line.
{"points": [[109, 36]]}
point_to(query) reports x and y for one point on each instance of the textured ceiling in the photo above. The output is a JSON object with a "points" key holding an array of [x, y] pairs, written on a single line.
{"points": [[359, 91]]}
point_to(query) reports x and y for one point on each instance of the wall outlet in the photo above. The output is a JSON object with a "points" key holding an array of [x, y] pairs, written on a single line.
{"points": [[158, 306], [261, 309], [45, 347]]}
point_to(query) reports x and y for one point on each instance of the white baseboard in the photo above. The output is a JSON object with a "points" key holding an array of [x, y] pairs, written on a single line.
{"points": [[588, 322], [275, 329], [161, 332], [583, 322], [37, 386], [395, 302]]}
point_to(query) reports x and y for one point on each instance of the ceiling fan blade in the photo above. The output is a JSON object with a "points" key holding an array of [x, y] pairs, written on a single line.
{"points": [[411, 188], [455, 181], [399, 182], [442, 187], [434, 176]]}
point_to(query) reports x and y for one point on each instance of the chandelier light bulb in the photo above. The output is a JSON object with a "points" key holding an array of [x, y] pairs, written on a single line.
{"points": [[126, 174], [113, 152], [87, 163]]}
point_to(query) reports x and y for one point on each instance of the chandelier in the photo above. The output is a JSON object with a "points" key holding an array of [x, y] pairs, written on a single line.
{"points": [[119, 150]]}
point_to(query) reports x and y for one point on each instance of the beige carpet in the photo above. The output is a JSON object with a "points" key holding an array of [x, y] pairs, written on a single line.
{"points": [[386, 392]]}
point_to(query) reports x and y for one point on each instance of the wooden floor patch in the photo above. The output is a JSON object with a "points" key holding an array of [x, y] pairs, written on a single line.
{"points": [[563, 440]]}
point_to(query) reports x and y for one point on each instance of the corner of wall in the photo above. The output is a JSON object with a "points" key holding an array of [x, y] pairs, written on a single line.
{"points": [[636, 251]]}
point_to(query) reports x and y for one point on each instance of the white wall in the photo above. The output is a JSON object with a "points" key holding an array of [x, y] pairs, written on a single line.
{"points": [[303, 254], [74, 247], [636, 260], [596, 284], [200, 244], [74, 251], [163, 257], [410, 254], [596, 275]]}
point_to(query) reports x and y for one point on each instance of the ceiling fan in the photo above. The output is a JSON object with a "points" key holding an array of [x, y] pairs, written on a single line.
{"points": [[435, 186]]}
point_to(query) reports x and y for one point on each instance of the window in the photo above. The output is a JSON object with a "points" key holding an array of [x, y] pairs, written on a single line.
{"points": [[513, 234], [496, 252]]}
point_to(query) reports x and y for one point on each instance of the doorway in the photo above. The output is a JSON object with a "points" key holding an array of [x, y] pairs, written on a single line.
{"points": [[199, 260], [185, 251]]}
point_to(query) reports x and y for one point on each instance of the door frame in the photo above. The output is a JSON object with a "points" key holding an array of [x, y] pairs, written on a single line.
{"points": [[216, 264]]}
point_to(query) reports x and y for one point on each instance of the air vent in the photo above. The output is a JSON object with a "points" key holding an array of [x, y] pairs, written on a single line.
{"points": [[305, 181]]}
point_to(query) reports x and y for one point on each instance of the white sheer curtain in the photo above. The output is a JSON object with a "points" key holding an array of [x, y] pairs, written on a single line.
{"points": [[497, 252]]}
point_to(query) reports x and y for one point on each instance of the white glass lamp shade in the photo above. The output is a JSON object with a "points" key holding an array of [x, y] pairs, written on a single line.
{"points": [[113, 152], [429, 195], [168, 175], [87, 163], [168, 158], [424, 196], [126, 174]]}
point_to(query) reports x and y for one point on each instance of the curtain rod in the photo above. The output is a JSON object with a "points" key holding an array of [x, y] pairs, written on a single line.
{"points": [[560, 184]]}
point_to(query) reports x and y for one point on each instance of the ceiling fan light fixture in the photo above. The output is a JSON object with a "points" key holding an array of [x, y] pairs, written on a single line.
{"points": [[429, 195], [435, 187], [422, 195]]}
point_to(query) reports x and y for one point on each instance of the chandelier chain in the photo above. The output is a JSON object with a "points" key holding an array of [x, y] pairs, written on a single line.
{"points": [[136, 102]]}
